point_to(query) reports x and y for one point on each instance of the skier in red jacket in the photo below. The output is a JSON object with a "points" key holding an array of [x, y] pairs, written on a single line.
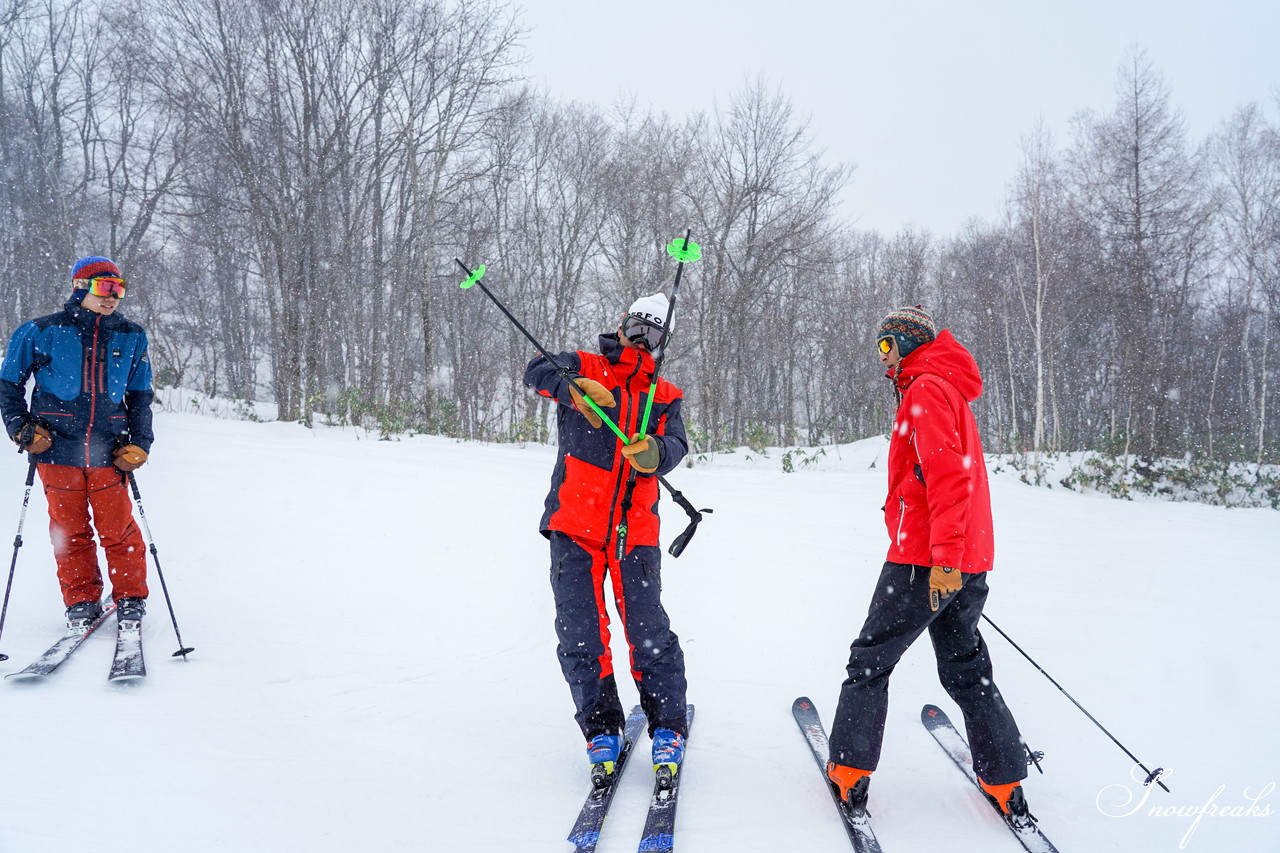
{"points": [[586, 502], [938, 515]]}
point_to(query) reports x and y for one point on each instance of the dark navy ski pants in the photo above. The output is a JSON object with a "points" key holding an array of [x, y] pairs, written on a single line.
{"points": [[579, 570], [899, 614]]}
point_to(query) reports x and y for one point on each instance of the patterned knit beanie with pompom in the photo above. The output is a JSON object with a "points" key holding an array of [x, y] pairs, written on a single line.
{"points": [[910, 327]]}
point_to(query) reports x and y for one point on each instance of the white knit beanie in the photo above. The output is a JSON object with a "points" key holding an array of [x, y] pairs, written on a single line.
{"points": [[652, 309]]}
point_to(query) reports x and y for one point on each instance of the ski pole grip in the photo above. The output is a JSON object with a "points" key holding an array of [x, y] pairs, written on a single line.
{"points": [[133, 484]]}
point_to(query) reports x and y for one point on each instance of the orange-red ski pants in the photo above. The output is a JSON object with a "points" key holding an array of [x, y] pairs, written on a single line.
{"points": [[74, 492]]}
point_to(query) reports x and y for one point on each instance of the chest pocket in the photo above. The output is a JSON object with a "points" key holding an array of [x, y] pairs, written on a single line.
{"points": [[58, 364]]}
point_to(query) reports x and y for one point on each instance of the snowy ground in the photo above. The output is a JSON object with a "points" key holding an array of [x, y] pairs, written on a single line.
{"points": [[375, 666]]}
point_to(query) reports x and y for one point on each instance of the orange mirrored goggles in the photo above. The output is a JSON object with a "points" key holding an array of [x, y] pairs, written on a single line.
{"points": [[885, 344], [106, 285]]}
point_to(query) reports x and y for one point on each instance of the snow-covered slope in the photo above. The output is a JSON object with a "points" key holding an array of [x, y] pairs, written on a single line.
{"points": [[375, 665]]}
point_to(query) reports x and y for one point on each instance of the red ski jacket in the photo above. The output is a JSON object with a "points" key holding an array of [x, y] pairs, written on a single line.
{"points": [[590, 477], [938, 512]]}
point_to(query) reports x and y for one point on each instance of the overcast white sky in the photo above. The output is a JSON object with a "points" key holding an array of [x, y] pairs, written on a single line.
{"points": [[929, 99]]}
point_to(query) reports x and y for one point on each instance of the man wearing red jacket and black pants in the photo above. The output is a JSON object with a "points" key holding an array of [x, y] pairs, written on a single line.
{"points": [[938, 514], [583, 510]]}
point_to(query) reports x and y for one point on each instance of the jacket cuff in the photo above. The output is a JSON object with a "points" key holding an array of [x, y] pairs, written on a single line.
{"points": [[947, 555]]}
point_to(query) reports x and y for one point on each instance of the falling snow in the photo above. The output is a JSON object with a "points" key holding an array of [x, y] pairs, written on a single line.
{"points": [[374, 629]]}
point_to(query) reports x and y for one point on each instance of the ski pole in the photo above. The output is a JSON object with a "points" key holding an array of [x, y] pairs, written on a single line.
{"points": [[695, 516], [473, 278], [682, 253], [151, 546], [686, 252], [1152, 775], [17, 543]]}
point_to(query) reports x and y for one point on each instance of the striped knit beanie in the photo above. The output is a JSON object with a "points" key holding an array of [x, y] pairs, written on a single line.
{"points": [[910, 327], [85, 269], [91, 267]]}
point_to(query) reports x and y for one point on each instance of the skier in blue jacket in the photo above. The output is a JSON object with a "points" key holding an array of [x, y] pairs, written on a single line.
{"points": [[89, 422]]}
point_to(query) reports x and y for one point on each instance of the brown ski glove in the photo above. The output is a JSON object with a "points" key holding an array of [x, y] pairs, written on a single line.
{"points": [[33, 438], [642, 453], [943, 580], [130, 457], [599, 395]]}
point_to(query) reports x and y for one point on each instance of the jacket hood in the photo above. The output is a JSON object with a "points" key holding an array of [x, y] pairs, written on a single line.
{"points": [[946, 358]]}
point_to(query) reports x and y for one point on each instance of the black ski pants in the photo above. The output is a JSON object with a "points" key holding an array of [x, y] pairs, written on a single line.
{"points": [[579, 572], [899, 614]]}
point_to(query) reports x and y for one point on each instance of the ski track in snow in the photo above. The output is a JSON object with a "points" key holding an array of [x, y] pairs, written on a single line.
{"points": [[375, 662]]}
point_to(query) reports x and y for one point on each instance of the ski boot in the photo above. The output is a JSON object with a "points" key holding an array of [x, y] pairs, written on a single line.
{"points": [[130, 610], [80, 617], [603, 753], [668, 752], [854, 786], [1012, 802]]}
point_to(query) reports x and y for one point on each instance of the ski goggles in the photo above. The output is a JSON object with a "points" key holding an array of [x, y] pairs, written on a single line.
{"points": [[106, 285], [643, 333], [885, 344]]}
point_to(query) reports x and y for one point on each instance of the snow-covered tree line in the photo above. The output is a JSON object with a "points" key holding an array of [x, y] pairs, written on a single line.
{"points": [[287, 182]]}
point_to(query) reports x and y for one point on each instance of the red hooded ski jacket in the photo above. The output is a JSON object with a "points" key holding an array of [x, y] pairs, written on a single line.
{"points": [[938, 512], [589, 480]]}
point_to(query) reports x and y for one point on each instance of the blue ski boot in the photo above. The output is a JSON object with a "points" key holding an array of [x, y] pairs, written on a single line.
{"points": [[668, 752], [603, 752]]}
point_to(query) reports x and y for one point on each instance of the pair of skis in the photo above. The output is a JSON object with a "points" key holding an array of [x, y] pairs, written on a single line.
{"points": [[126, 665], [858, 824], [658, 835]]}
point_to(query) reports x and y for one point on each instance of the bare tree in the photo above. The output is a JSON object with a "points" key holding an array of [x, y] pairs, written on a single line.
{"points": [[1143, 186], [327, 121], [1246, 161], [41, 122], [764, 202], [1041, 249]]}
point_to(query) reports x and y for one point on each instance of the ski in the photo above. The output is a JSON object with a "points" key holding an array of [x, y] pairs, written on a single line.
{"points": [[857, 825], [586, 830], [61, 650], [660, 825], [127, 664], [954, 744]]}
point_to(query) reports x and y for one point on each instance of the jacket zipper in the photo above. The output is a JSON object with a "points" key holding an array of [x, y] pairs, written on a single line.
{"points": [[621, 477], [902, 502], [91, 379], [902, 514]]}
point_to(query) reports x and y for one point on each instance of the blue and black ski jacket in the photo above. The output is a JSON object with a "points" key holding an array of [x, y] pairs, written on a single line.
{"points": [[92, 384]]}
